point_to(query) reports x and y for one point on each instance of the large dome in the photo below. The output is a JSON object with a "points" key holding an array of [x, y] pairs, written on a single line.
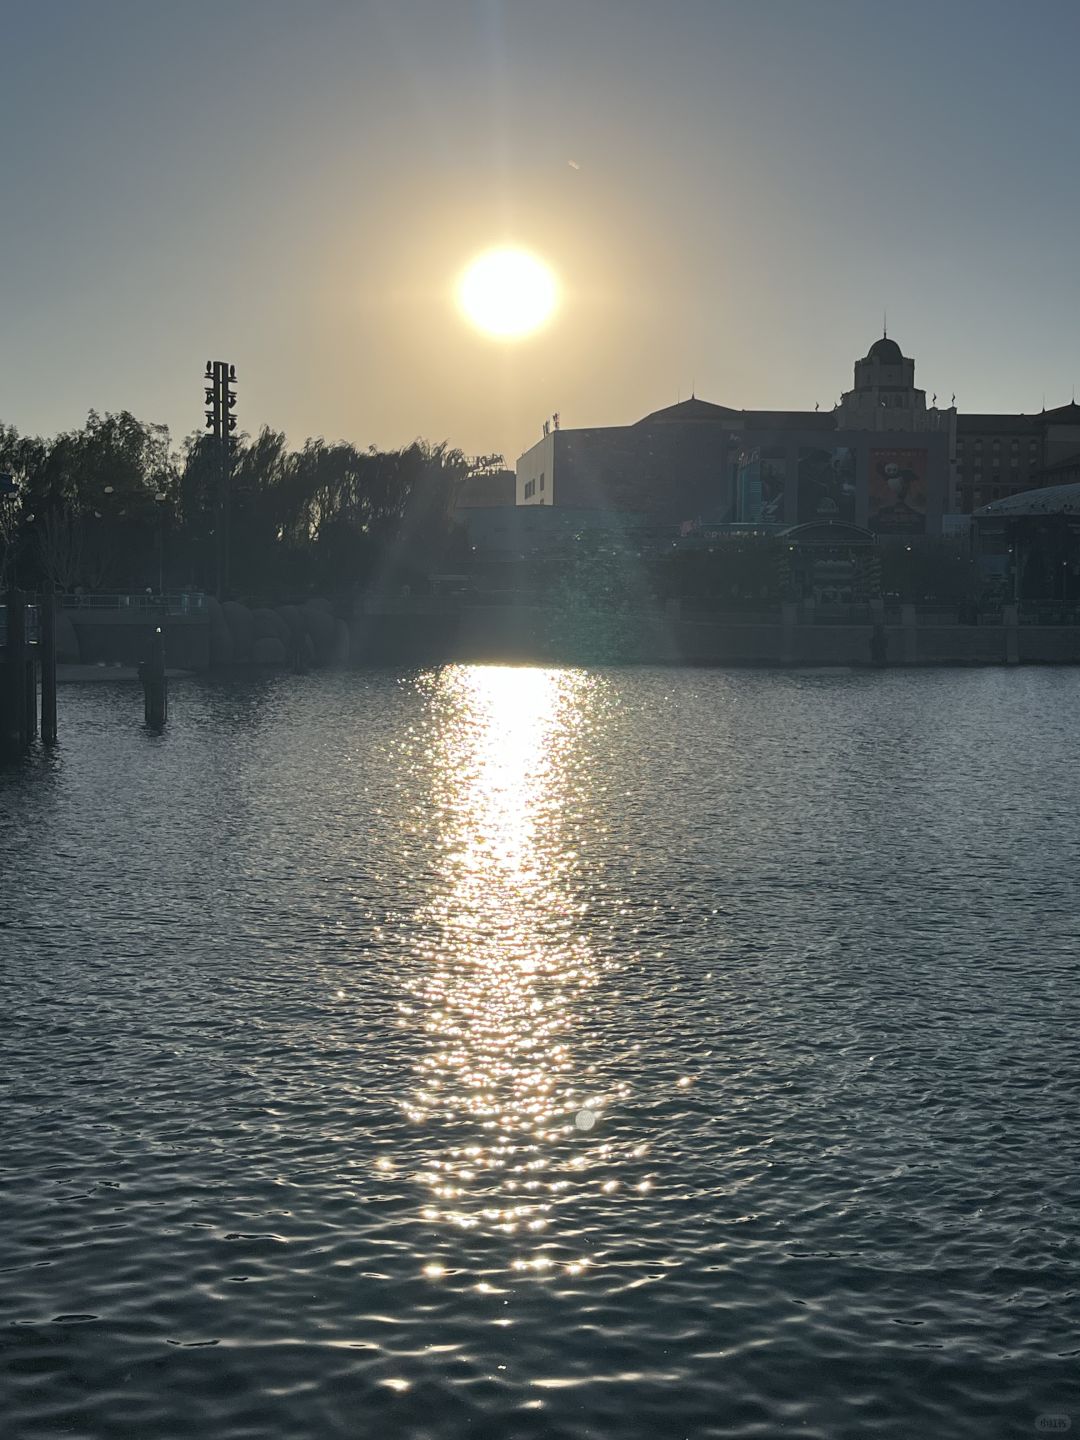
{"points": [[885, 352], [1050, 500], [692, 409]]}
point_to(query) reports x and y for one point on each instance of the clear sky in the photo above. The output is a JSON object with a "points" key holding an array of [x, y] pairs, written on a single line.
{"points": [[729, 193]]}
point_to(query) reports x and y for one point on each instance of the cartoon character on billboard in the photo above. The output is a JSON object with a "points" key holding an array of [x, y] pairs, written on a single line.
{"points": [[827, 484], [899, 486], [773, 480]]}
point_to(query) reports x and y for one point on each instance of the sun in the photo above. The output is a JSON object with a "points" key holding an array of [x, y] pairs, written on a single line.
{"points": [[507, 293]]}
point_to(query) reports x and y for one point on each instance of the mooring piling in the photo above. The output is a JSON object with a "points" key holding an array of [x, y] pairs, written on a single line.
{"points": [[47, 647], [30, 695], [14, 729], [155, 684]]}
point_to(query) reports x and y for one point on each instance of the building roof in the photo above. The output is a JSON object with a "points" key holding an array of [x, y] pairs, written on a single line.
{"points": [[692, 410], [828, 532], [885, 352], [988, 424], [789, 419], [1050, 500]]}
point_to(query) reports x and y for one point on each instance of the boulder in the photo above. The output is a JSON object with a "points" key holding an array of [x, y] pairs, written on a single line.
{"points": [[341, 643], [67, 640], [221, 643], [238, 618], [268, 624], [291, 617], [268, 650], [297, 642], [319, 625]]}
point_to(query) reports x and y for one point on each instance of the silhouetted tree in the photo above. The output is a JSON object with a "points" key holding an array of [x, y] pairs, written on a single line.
{"points": [[328, 516]]}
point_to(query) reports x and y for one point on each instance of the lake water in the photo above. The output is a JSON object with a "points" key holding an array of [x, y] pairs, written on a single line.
{"points": [[499, 1052]]}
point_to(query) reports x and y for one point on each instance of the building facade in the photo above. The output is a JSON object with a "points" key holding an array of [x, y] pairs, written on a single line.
{"points": [[1002, 455], [880, 459]]}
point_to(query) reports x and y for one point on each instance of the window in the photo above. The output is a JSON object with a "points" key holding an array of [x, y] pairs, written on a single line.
{"points": [[541, 480], [1014, 462]]}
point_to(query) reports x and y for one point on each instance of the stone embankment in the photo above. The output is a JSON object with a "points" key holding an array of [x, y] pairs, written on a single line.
{"points": [[216, 635], [429, 631], [308, 634]]}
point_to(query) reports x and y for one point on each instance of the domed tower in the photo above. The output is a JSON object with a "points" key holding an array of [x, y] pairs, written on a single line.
{"points": [[884, 397]]}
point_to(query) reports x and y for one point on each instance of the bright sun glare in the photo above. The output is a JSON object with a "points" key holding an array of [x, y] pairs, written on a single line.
{"points": [[507, 293]]}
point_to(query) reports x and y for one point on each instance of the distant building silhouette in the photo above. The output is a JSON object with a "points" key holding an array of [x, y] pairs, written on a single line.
{"points": [[484, 488], [880, 460]]}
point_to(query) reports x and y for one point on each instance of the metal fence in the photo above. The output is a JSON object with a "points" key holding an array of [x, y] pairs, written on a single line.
{"points": [[180, 602], [33, 626]]}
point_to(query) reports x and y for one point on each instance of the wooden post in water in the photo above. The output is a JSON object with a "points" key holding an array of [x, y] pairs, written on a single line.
{"points": [[789, 620], [1010, 619], [30, 695], [911, 634], [155, 685], [879, 639], [47, 647], [13, 729]]}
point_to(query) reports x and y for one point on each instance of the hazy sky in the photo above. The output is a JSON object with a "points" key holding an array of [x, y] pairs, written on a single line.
{"points": [[294, 185]]}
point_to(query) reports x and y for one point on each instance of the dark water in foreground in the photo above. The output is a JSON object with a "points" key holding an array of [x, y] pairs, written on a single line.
{"points": [[523, 1053]]}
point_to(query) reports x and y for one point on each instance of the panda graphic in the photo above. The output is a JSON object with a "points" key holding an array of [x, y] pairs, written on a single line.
{"points": [[900, 483]]}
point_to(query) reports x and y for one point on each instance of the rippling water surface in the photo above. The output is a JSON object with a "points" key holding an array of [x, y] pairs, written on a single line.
{"points": [[501, 1052]]}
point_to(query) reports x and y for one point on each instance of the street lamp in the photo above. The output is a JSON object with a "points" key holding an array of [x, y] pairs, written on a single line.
{"points": [[9, 495], [160, 497]]}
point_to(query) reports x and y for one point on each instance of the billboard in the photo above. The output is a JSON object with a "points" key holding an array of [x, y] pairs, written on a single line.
{"points": [[897, 491], [826, 484], [748, 484], [762, 476]]}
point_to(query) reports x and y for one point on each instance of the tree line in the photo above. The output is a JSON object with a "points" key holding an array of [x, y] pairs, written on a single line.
{"points": [[116, 505]]}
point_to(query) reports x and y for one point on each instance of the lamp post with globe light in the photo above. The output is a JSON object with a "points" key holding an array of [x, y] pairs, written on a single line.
{"points": [[160, 498], [9, 510]]}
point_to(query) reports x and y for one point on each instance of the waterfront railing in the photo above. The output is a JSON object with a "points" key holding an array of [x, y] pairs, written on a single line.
{"points": [[33, 625], [178, 602]]}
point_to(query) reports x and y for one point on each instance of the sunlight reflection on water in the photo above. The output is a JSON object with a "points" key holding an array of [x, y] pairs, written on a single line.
{"points": [[507, 974]]}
